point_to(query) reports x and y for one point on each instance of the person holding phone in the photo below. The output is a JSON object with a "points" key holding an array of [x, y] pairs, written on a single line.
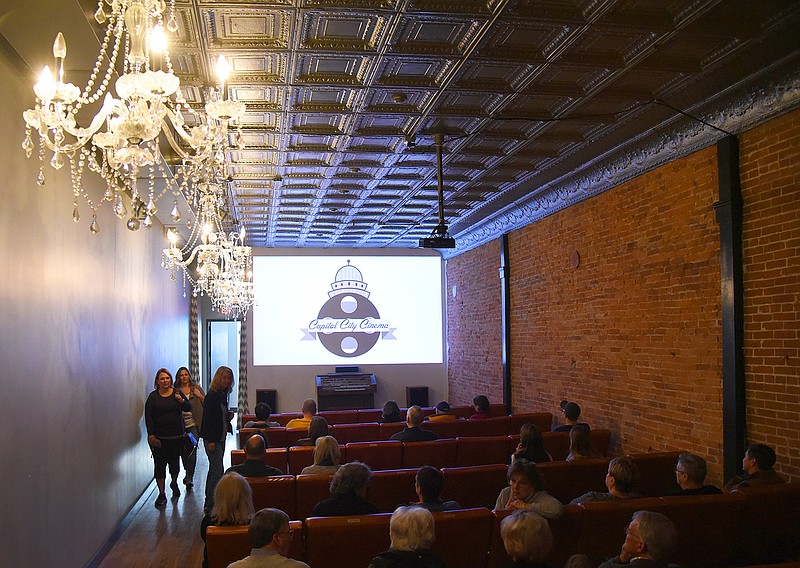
{"points": [[214, 429], [191, 421]]}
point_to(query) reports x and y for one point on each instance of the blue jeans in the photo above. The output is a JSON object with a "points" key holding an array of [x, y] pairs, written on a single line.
{"points": [[215, 470]]}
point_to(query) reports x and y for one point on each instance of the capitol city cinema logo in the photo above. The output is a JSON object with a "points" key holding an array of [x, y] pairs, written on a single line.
{"points": [[348, 324]]}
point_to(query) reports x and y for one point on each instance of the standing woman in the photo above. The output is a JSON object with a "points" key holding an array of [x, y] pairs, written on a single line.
{"points": [[214, 429], [191, 420], [163, 417]]}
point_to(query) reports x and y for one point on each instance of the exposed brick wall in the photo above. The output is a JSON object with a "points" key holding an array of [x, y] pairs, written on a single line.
{"points": [[770, 165], [474, 325]]}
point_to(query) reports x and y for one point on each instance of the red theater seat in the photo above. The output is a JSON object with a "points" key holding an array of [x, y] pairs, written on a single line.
{"points": [[657, 473], [300, 457], [567, 480], [276, 457], [389, 428], [481, 450], [556, 444], [284, 417], [360, 432], [438, 453], [391, 488], [773, 522], [462, 537], [311, 489], [476, 486], [277, 492], [377, 455], [448, 429], [228, 544], [295, 434], [340, 416], [542, 420], [500, 426], [369, 414], [346, 541]]}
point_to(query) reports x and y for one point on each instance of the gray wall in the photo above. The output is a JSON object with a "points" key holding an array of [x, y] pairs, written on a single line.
{"points": [[85, 323]]}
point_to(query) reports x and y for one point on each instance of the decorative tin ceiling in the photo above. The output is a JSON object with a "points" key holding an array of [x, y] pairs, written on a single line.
{"points": [[532, 96]]}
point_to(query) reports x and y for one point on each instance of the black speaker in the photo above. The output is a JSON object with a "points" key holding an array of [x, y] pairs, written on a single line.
{"points": [[417, 395], [269, 396]]}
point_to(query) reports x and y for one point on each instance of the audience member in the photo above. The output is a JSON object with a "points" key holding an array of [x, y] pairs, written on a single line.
{"points": [[317, 428], [270, 538], [530, 445], [482, 408], [757, 465], [649, 542], [326, 456], [253, 464], [163, 418], [216, 422], [571, 412], [428, 484], [309, 410], [413, 432], [443, 413], [233, 505], [391, 413], [690, 473], [621, 479], [348, 493], [580, 444], [411, 530], [526, 491], [191, 422], [263, 414], [527, 539]]}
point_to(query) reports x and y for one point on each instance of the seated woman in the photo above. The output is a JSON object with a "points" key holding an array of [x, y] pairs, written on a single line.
{"points": [[530, 445], [526, 491], [233, 505], [348, 493], [527, 539], [326, 456], [411, 530], [580, 444], [317, 428], [428, 485], [391, 413], [482, 408]]}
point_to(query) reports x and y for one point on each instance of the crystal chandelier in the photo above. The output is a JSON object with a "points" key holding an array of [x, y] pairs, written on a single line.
{"points": [[121, 139], [215, 262]]}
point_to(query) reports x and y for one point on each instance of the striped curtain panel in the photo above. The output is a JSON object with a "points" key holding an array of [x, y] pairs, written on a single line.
{"points": [[243, 406]]}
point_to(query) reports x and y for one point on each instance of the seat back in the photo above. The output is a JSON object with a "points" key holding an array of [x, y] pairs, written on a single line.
{"points": [[391, 488], [542, 420], [773, 522], [481, 450], [339, 416], [496, 426], [276, 457], [346, 541], [462, 537], [438, 453], [226, 545], [356, 432], [464, 411], [657, 473], [389, 428], [567, 480], [448, 428], [556, 444], [311, 489], [300, 457], [497, 409], [566, 532], [294, 434], [277, 492], [475, 486], [601, 439], [284, 417], [369, 414], [386, 454]]}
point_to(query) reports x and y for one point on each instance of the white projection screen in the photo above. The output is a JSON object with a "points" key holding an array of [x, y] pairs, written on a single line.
{"points": [[347, 310]]}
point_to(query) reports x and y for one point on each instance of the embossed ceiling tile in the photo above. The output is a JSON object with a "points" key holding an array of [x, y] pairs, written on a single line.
{"points": [[523, 41], [262, 120], [515, 129], [311, 143], [451, 7], [397, 101], [257, 67], [481, 146], [251, 170], [260, 139], [193, 93], [413, 72], [323, 69], [541, 107], [186, 36], [450, 125], [470, 162], [468, 103], [238, 28], [384, 144], [308, 158], [317, 123], [187, 65], [376, 125], [323, 99], [366, 160], [491, 75], [342, 31], [432, 35], [254, 156], [603, 46], [258, 97]]}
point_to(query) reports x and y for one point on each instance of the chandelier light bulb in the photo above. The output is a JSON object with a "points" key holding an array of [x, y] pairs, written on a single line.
{"points": [[172, 237], [223, 69], [158, 39], [60, 47], [45, 88]]}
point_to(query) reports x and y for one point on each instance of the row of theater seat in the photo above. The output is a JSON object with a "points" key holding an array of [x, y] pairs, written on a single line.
{"points": [[714, 531], [475, 486], [446, 452], [374, 414], [371, 431]]}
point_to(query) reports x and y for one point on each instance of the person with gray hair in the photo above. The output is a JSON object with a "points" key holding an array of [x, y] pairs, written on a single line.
{"points": [[411, 530], [621, 479], [649, 542], [270, 538], [413, 432], [348, 493], [690, 474], [527, 539]]}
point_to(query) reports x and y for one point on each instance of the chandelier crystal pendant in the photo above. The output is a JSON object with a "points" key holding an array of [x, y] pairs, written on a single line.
{"points": [[122, 137]]}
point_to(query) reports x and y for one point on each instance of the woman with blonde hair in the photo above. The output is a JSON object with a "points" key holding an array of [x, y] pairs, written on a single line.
{"points": [[326, 456], [233, 505], [580, 444], [192, 420], [216, 421], [411, 530]]}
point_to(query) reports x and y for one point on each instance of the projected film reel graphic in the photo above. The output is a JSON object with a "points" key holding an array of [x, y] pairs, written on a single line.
{"points": [[348, 301]]}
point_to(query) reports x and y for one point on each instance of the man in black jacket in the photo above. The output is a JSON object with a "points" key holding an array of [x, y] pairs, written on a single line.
{"points": [[253, 465]]}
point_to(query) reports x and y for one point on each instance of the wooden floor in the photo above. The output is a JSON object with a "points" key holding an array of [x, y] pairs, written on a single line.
{"points": [[168, 537]]}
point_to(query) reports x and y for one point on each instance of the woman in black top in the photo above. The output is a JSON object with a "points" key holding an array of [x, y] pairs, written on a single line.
{"points": [[391, 413], [530, 445], [163, 416]]}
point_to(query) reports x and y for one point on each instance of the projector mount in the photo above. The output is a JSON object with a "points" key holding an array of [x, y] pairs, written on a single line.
{"points": [[439, 238]]}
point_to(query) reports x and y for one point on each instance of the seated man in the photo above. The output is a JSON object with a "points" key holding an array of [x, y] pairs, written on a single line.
{"points": [[482, 408], [428, 484], [571, 412], [412, 432], [757, 465], [649, 541], [253, 465], [309, 411], [690, 473], [263, 413], [621, 479], [270, 537], [443, 413]]}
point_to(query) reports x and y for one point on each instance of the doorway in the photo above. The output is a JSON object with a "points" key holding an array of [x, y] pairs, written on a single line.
{"points": [[222, 339]]}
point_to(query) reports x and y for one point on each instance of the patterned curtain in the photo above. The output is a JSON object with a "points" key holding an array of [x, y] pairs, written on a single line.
{"points": [[194, 347], [243, 406]]}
